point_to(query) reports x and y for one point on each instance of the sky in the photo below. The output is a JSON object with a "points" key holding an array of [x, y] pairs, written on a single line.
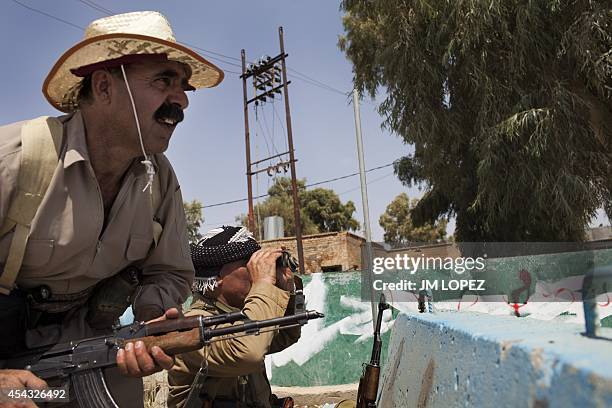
{"points": [[207, 150]]}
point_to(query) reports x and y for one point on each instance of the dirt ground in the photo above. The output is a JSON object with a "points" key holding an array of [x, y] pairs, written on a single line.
{"points": [[317, 396], [156, 392]]}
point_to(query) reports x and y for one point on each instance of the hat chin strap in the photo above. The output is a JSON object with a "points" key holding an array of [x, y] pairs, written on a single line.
{"points": [[147, 161]]}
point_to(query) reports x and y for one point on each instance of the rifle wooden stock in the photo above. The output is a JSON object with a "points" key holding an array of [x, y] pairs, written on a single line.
{"points": [[172, 343], [368, 386]]}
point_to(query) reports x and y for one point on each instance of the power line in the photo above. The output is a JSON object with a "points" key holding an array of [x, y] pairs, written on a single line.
{"points": [[368, 183], [264, 133], [306, 186], [216, 56], [218, 223], [214, 53], [61, 20], [315, 82], [96, 7], [279, 120], [305, 78]]}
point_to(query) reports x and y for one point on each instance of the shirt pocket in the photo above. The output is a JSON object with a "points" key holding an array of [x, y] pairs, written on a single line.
{"points": [[38, 252], [138, 248]]}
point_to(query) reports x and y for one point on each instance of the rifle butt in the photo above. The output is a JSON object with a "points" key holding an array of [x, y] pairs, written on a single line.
{"points": [[368, 387]]}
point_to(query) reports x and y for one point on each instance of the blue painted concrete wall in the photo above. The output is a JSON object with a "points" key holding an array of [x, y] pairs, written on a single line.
{"points": [[467, 359]]}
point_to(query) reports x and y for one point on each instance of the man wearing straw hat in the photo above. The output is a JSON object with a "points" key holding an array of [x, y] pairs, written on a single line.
{"points": [[88, 194]]}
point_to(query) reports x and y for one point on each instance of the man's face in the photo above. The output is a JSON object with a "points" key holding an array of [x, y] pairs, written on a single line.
{"points": [[235, 283], [158, 89]]}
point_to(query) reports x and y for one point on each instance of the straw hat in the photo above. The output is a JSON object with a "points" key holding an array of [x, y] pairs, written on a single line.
{"points": [[112, 39]]}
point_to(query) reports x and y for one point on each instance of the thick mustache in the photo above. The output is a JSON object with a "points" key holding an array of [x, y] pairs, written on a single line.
{"points": [[170, 111]]}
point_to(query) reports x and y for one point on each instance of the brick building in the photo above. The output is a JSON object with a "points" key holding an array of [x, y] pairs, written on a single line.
{"points": [[342, 251], [326, 252]]}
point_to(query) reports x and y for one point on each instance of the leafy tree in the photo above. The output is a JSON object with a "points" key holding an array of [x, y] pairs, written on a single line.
{"points": [[506, 102], [320, 209], [398, 227], [193, 214], [324, 208]]}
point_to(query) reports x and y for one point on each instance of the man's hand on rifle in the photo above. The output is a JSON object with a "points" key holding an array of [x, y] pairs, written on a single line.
{"points": [[18, 379], [136, 361]]}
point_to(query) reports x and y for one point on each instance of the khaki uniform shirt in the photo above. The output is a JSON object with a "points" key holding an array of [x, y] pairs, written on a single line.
{"points": [[72, 247], [233, 359]]}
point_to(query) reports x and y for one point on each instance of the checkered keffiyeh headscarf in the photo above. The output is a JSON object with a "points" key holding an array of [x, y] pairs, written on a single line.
{"points": [[218, 247]]}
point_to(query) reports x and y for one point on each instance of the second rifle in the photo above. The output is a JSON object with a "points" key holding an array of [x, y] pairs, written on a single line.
{"points": [[368, 383]]}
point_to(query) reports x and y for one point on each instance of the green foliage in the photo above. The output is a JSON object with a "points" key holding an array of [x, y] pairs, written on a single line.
{"points": [[324, 208], [320, 209], [398, 227], [193, 215], [506, 102]]}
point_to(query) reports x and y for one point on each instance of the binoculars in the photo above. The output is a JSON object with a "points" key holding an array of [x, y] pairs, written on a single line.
{"points": [[287, 261]]}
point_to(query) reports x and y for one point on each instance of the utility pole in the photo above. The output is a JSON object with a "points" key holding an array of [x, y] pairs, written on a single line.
{"points": [[269, 80], [364, 203], [247, 142]]}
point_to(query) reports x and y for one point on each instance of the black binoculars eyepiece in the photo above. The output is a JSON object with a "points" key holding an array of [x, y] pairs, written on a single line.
{"points": [[287, 261]]}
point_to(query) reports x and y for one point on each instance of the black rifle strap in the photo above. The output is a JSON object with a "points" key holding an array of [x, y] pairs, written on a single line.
{"points": [[195, 397]]}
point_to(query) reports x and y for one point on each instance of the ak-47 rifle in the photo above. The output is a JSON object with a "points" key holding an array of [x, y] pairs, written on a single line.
{"points": [[80, 362], [368, 383]]}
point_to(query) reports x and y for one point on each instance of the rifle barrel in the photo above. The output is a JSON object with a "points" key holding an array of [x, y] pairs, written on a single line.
{"points": [[256, 325]]}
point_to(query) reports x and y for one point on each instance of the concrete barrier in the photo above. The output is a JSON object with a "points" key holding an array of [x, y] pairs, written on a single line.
{"points": [[469, 359]]}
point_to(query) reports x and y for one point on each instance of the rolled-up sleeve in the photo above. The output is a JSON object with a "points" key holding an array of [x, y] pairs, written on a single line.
{"points": [[168, 270]]}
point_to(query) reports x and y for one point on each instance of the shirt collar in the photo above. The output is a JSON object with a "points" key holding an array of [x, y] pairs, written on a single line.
{"points": [[76, 144]]}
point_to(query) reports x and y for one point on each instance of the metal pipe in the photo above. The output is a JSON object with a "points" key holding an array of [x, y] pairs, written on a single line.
{"points": [[589, 303], [364, 202]]}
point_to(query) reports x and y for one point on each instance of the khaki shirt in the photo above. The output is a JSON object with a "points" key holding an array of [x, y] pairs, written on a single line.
{"points": [[230, 359], [72, 247]]}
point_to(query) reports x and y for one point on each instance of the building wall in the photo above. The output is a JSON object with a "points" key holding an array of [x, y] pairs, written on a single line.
{"points": [[435, 250], [343, 251], [340, 250], [599, 234]]}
